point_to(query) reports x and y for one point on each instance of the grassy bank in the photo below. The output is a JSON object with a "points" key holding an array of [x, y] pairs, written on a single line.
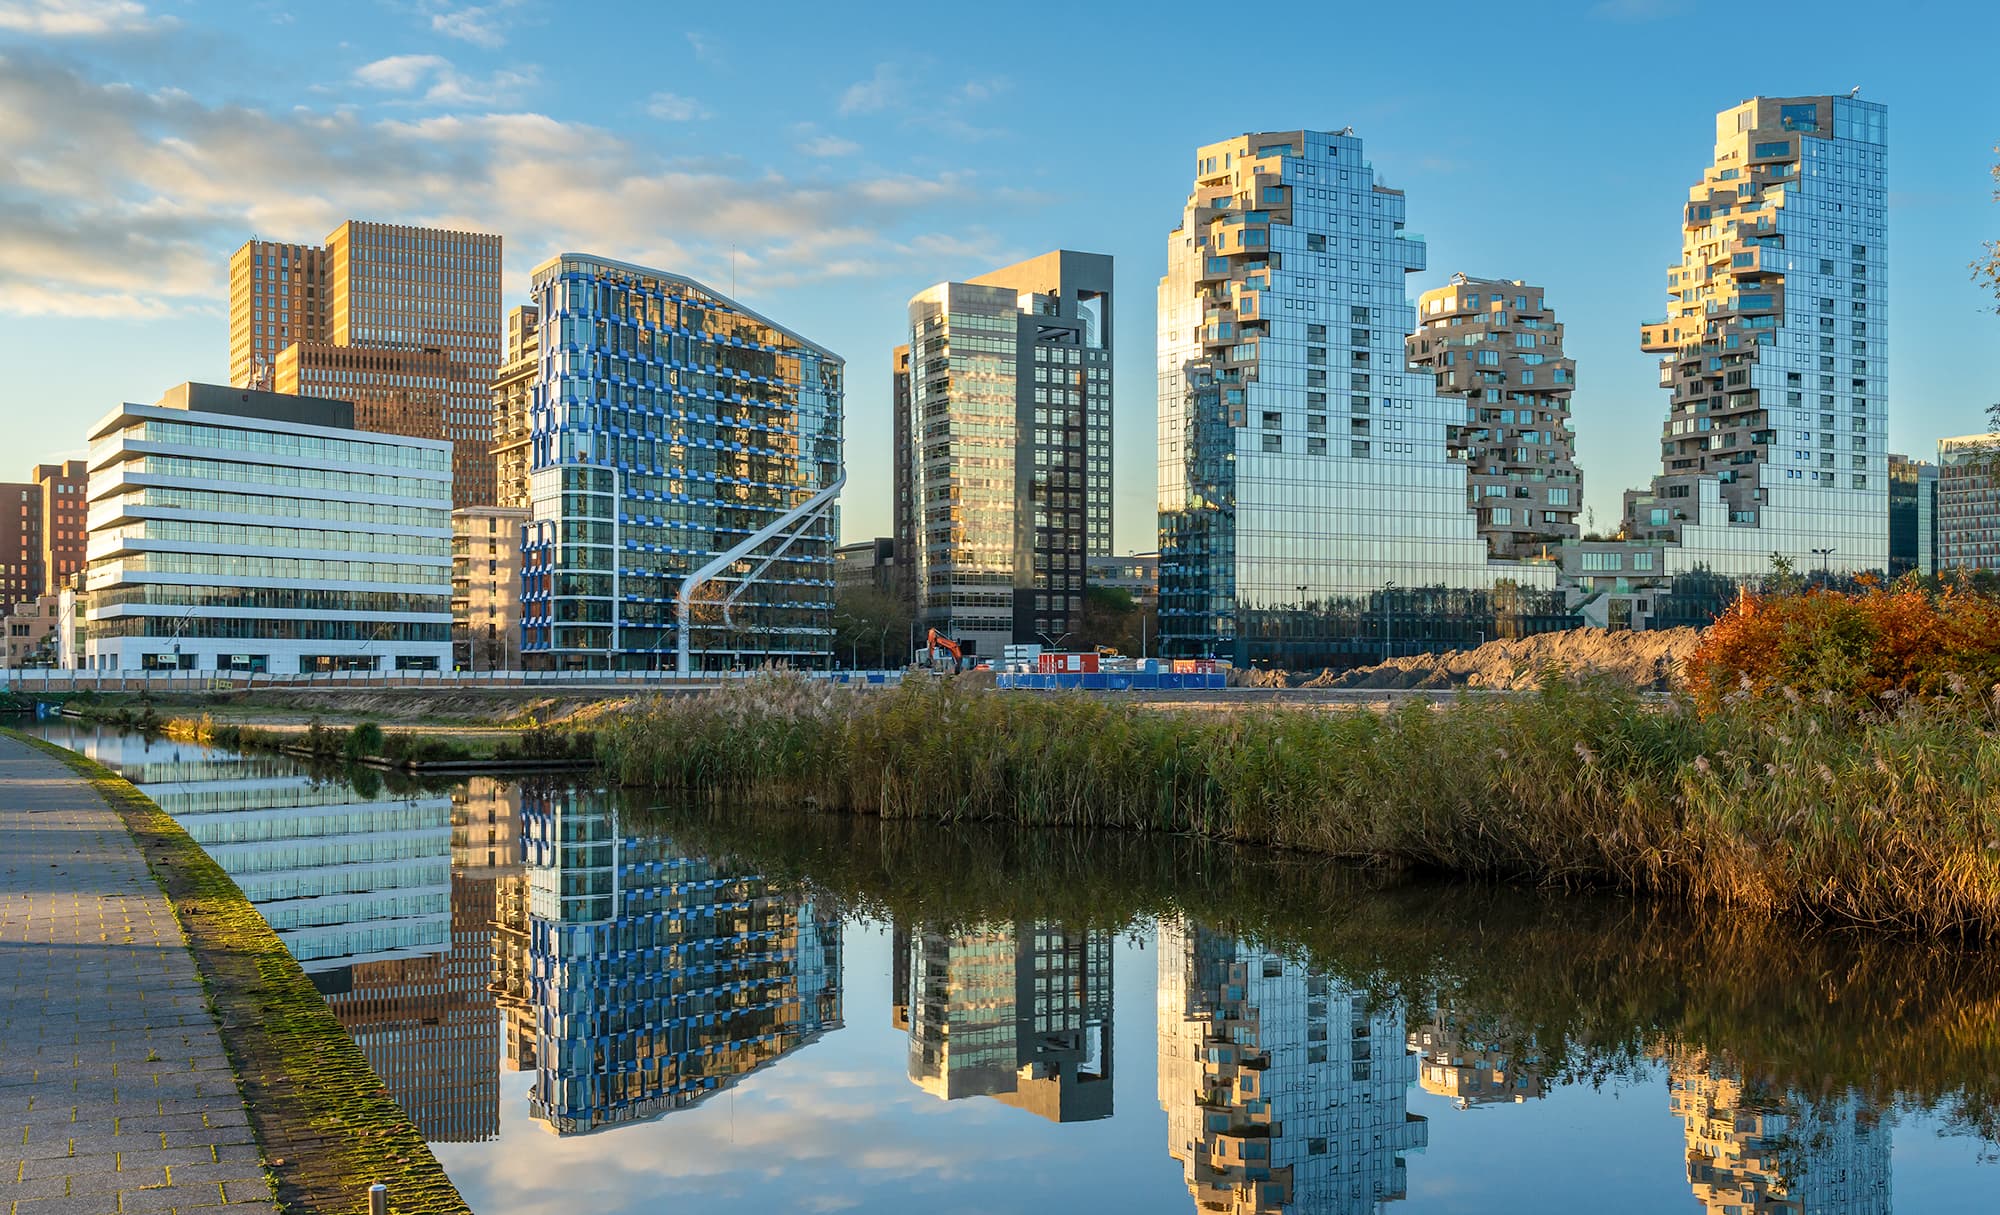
{"points": [[368, 743], [1884, 818], [326, 1125]]}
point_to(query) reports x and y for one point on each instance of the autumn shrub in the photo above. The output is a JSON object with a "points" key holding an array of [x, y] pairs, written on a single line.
{"points": [[1875, 645]]}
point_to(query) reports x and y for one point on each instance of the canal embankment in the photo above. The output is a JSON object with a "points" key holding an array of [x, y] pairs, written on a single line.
{"points": [[321, 1123]]}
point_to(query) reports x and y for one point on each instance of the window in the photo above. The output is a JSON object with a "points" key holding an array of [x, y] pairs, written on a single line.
{"points": [[1358, 448], [1315, 447], [1274, 442], [1601, 562]]}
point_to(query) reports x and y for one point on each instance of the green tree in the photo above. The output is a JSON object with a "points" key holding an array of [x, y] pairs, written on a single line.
{"points": [[871, 627], [1112, 618]]}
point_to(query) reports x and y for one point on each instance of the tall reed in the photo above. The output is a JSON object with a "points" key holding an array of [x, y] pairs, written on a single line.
{"points": [[1886, 817]]}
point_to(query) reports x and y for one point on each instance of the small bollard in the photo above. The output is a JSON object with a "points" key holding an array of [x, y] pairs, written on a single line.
{"points": [[378, 1199]]}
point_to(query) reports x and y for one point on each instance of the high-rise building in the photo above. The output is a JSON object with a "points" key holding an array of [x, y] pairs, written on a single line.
{"points": [[1284, 1090], [1968, 503], [486, 587], [402, 321], [1775, 348], [513, 408], [20, 542], [683, 446], [1496, 345], [278, 295], [1913, 494], [241, 530], [1312, 510], [1019, 1012], [1753, 1150], [64, 522], [658, 978], [1010, 448], [903, 467]]}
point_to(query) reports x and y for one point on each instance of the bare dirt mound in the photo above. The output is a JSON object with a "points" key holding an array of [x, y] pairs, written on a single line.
{"points": [[1649, 661]]}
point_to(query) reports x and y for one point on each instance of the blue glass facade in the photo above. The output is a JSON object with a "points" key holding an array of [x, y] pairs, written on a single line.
{"points": [[1311, 510], [658, 978], [668, 423]]}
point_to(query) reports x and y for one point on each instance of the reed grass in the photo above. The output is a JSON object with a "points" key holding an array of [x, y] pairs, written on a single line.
{"points": [[1879, 816]]}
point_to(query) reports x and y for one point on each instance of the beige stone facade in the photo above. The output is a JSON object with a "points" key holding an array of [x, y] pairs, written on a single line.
{"points": [[28, 634], [486, 587], [513, 395], [1497, 346]]}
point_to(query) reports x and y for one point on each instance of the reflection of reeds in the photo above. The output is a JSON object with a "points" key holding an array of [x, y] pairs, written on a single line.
{"points": [[1598, 984], [1885, 818]]}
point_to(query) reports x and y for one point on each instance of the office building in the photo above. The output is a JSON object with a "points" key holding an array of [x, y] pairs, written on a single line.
{"points": [[278, 294], [903, 465], [1284, 1090], [486, 587], [64, 522], [513, 408], [1775, 348], [28, 636], [869, 565], [1018, 1012], [1496, 345], [402, 321], [683, 446], [1312, 512], [20, 541], [1137, 575], [1968, 503], [1756, 1150], [1913, 495], [1010, 437], [240, 530], [658, 979]]}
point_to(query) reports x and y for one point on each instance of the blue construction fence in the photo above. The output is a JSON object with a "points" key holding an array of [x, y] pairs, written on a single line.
{"points": [[1115, 681]]}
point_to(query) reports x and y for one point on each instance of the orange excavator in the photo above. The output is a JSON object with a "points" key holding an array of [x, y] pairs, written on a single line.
{"points": [[938, 641]]}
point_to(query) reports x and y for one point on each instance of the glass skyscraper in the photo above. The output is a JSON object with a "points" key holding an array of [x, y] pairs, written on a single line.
{"points": [[1775, 348], [1311, 510], [671, 426]]}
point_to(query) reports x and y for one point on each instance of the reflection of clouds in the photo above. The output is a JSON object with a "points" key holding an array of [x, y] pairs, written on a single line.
{"points": [[790, 1138]]}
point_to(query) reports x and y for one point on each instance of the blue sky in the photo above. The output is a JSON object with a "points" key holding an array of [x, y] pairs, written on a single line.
{"points": [[852, 155]]}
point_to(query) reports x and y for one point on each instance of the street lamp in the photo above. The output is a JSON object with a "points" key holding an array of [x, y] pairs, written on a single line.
{"points": [[1822, 554], [1388, 622]]}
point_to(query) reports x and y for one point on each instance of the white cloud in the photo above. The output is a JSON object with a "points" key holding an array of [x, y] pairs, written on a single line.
{"points": [[484, 25], [672, 107], [873, 94], [440, 82], [130, 205], [78, 18], [705, 48], [829, 146]]}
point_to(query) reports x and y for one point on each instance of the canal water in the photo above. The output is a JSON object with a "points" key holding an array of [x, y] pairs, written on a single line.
{"points": [[590, 1002]]}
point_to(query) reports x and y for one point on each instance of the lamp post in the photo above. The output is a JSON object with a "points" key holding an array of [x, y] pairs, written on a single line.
{"points": [[1388, 623], [1823, 554]]}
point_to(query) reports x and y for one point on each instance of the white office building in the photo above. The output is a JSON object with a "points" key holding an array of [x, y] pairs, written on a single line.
{"points": [[242, 531]]}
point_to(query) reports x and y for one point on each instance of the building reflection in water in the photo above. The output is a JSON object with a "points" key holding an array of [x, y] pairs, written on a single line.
{"points": [[1285, 1091], [1475, 1059], [1753, 1150], [1017, 1012], [359, 887], [656, 978]]}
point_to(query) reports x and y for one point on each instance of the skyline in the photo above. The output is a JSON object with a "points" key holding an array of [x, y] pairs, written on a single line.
{"points": [[852, 175]]}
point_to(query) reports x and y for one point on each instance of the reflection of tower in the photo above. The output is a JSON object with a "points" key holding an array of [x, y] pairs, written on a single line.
{"points": [[1284, 1091], [1752, 1150], [658, 978], [1476, 1060], [512, 984], [1019, 1012]]}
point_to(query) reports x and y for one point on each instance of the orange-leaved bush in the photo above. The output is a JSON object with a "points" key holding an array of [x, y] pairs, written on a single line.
{"points": [[1863, 645]]}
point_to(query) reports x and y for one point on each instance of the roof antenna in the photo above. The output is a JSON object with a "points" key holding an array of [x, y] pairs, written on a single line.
{"points": [[1854, 92]]}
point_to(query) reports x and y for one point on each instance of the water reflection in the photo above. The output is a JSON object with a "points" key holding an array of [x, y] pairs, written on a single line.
{"points": [[658, 978], [1284, 1091], [518, 961], [1017, 1012]]}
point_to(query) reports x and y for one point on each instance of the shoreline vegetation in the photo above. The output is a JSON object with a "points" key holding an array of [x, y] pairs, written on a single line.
{"points": [[1879, 813]]}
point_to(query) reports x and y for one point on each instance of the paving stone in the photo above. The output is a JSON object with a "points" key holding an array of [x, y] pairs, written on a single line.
{"points": [[112, 1074]]}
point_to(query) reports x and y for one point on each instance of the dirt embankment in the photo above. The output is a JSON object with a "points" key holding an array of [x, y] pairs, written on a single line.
{"points": [[401, 706], [1649, 661]]}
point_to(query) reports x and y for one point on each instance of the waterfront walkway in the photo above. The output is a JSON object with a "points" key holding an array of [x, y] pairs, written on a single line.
{"points": [[115, 1095]]}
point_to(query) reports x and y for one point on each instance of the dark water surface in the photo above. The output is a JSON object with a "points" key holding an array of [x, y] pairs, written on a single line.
{"points": [[590, 1003]]}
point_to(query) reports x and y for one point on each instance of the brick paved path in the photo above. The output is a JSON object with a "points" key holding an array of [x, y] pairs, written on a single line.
{"points": [[114, 1092]]}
